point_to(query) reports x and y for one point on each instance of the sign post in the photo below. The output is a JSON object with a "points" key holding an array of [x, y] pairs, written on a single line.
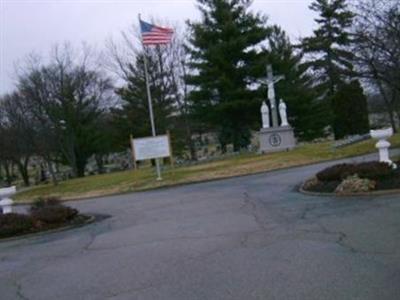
{"points": [[133, 152], [170, 149]]}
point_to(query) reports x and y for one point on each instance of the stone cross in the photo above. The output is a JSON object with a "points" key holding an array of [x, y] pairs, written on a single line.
{"points": [[271, 80]]}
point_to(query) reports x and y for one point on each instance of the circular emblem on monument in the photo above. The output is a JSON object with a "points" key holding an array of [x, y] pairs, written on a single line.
{"points": [[275, 140]]}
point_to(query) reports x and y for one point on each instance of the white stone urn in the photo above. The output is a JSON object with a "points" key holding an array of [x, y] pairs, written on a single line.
{"points": [[5, 200], [383, 145]]}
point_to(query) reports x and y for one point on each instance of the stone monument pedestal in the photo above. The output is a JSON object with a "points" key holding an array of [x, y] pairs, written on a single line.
{"points": [[276, 139]]}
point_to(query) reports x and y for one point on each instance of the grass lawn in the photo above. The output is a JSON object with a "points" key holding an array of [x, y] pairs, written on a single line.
{"points": [[128, 181]]}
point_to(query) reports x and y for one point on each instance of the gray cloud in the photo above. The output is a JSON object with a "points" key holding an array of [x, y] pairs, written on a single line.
{"points": [[34, 26]]}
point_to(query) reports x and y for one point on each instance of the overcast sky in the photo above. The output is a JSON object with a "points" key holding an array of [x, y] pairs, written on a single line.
{"points": [[35, 25]]}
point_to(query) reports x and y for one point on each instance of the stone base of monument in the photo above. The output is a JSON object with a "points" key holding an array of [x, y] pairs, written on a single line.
{"points": [[276, 139]]}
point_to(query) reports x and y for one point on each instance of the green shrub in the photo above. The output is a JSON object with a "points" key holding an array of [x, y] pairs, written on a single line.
{"points": [[14, 224], [51, 211], [335, 173], [367, 170], [42, 202], [54, 214], [45, 213], [373, 170]]}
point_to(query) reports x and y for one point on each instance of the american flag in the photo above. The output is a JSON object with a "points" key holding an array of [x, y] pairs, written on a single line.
{"points": [[155, 35]]}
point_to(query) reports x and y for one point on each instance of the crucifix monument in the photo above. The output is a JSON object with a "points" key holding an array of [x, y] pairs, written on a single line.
{"points": [[275, 137]]}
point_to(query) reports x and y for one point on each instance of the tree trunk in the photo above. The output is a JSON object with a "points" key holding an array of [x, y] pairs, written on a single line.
{"points": [[6, 167], [99, 163], [192, 149], [185, 112], [388, 105], [189, 140], [52, 173], [23, 170], [71, 156], [80, 167]]}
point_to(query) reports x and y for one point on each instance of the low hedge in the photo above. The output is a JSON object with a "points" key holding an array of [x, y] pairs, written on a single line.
{"points": [[51, 211], [368, 170], [44, 214], [374, 175], [13, 224], [374, 170]]}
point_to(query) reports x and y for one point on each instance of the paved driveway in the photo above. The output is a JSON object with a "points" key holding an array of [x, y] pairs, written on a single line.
{"points": [[251, 237]]}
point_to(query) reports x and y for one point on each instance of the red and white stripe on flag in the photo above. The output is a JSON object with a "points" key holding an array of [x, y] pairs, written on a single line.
{"points": [[155, 35]]}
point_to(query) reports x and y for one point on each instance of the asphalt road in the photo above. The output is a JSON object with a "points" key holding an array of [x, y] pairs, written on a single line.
{"points": [[250, 237]]}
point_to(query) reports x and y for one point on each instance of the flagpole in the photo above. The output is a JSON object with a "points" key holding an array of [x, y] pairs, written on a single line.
{"points": [[153, 127]]}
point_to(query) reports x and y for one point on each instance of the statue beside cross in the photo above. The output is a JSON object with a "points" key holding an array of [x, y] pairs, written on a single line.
{"points": [[271, 81]]}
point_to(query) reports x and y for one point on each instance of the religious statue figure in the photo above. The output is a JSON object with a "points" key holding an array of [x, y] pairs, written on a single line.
{"points": [[265, 115], [271, 81], [282, 113], [271, 94]]}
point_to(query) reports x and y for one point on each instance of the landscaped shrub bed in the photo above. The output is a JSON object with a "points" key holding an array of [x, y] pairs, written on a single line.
{"points": [[44, 214], [355, 178], [50, 211], [14, 224]]}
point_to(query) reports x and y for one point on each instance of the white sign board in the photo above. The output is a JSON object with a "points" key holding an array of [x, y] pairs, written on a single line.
{"points": [[151, 147]]}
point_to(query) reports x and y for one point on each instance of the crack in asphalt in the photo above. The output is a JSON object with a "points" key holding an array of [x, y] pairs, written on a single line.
{"points": [[308, 214], [256, 210], [19, 292], [308, 209], [135, 290], [171, 239]]}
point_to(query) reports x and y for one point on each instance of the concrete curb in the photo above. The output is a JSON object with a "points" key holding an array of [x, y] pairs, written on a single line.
{"points": [[91, 220]]}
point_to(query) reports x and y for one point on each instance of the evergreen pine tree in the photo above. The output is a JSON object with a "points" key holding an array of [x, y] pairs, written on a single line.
{"points": [[225, 62], [351, 116], [306, 114], [331, 62], [133, 115]]}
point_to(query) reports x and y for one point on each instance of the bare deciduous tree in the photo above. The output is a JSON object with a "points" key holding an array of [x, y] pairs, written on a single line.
{"points": [[17, 134], [66, 97], [377, 50]]}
